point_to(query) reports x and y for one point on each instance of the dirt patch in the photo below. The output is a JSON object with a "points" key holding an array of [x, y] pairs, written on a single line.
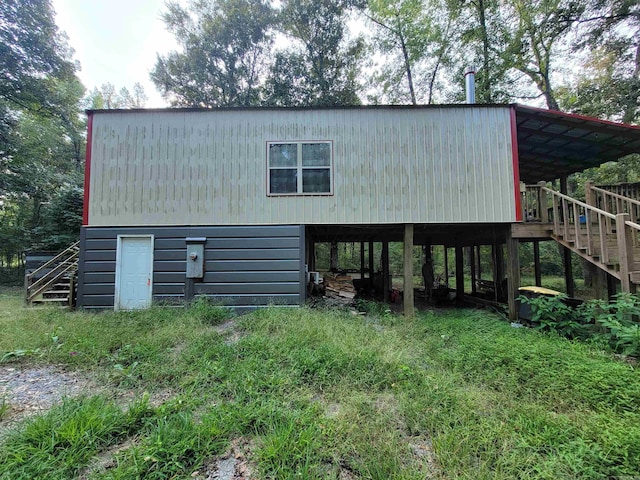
{"points": [[30, 390], [233, 465], [229, 329], [422, 449], [106, 460]]}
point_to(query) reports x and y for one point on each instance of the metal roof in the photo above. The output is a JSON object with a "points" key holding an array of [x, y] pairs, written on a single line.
{"points": [[553, 144]]}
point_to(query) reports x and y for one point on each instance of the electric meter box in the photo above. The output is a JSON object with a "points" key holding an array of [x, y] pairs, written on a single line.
{"points": [[195, 257]]}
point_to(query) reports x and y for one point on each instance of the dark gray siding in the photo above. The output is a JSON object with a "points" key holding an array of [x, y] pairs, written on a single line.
{"points": [[246, 267]]}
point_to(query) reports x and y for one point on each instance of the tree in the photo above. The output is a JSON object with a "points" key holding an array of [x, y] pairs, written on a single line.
{"points": [[33, 55], [106, 97], [540, 26], [609, 81], [41, 130], [483, 40], [62, 217], [416, 37], [225, 44], [322, 66]]}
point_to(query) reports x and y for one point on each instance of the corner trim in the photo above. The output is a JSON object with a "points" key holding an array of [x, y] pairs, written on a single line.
{"points": [[87, 171], [303, 256], [516, 164]]}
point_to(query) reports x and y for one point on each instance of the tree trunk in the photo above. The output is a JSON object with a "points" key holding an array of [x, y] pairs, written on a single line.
{"points": [[486, 74], [407, 66], [334, 257]]}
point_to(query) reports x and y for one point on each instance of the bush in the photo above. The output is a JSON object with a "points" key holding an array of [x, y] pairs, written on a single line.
{"points": [[616, 322], [619, 321], [553, 314]]}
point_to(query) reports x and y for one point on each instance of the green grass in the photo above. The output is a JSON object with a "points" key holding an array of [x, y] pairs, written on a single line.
{"points": [[321, 394]]}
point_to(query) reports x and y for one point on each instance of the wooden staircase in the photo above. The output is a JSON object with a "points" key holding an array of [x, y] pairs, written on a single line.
{"points": [[55, 281], [603, 230]]}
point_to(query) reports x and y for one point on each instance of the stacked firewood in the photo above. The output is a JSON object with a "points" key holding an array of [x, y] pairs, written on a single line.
{"points": [[339, 286]]}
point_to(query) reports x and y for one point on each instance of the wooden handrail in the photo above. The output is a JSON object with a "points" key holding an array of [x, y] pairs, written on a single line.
{"points": [[616, 195], [63, 264], [629, 190], [55, 260], [51, 280], [592, 231], [633, 225], [586, 206], [62, 267]]}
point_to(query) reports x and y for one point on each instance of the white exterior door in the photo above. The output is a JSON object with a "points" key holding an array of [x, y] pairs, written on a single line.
{"points": [[134, 272]]}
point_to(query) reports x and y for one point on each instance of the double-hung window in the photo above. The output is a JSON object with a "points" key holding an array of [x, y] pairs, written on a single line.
{"points": [[299, 168]]}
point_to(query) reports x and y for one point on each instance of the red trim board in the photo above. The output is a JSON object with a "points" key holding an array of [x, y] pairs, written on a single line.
{"points": [[87, 171], [516, 164]]}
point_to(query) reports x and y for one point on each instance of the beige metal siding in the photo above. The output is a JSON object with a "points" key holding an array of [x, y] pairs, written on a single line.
{"points": [[431, 165]]}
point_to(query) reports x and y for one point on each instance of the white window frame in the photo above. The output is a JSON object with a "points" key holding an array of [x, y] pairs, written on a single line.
{"points": [[300, 168]]}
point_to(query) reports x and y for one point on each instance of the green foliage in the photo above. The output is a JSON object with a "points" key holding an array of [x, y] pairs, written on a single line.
{"points": [[60, 443], [171, 443], [552, 313], [41, 131], [35, 54], [325, 394], [608, 83], [106, 97], [321, 66], [51, 346], [224, 46], [373, 308], [4, 408], [62, 219], [616, 322], [417, 41], [18, 353], [291, 449], [620, 320], [209, 313]]}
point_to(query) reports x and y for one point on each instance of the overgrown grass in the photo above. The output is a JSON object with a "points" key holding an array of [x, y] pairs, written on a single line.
{"points": [[454, 394]]}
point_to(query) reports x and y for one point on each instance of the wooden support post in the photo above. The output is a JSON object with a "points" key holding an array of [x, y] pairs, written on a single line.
{"points": [[385, 271], [536, 263], [459, 274], [478, 259], [625, 252], [446, 265], [564, 188], [362, 263], [589, 194], [333, 262], [566, 253], [598, 282], [312, 256], [472, 265], [371, 258], [543, 203], [513, 275], [500, 261], [494, 271], [612, 289], [409, 305], [568, 271]]}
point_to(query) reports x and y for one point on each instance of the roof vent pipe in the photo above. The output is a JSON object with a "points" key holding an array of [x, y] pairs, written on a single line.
{"points": [[470, 84]]}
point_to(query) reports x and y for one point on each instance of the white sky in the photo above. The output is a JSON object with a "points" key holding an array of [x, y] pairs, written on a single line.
{"points": [[116, 41]]}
